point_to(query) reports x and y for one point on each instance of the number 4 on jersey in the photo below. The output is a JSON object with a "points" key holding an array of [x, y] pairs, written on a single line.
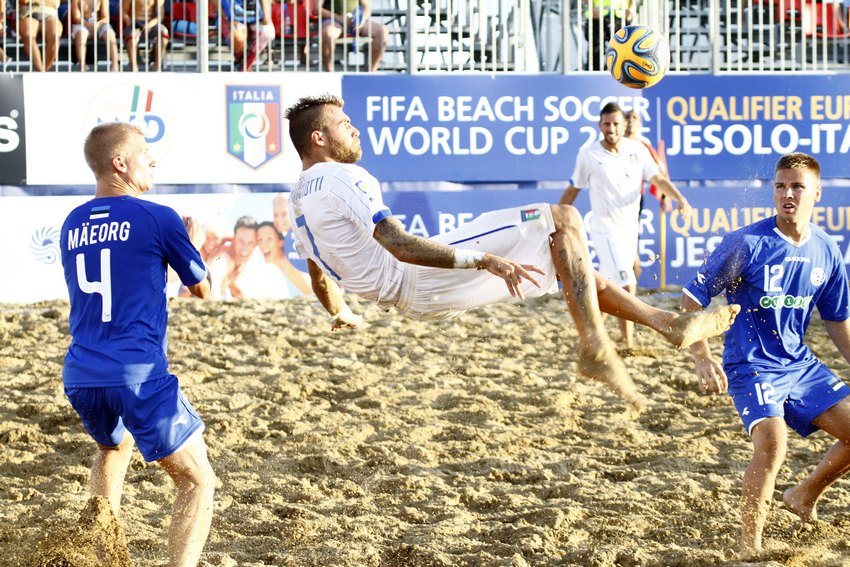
{"points": [[102, 287]]}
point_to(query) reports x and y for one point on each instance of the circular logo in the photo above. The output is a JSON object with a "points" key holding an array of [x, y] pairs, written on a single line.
{"points": [[139, 105], [818, 277]]}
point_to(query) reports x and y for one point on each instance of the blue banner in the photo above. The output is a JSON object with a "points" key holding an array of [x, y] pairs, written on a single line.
{"points": [[516, 128], [670, 248]]}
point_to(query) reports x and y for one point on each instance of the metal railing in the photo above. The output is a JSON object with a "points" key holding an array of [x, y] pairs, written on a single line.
{"points": [[502, 36]]}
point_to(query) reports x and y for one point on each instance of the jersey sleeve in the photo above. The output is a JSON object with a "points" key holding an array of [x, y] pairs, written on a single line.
{"points": [[723, 265], [179, 251], [834, 303], [581, 174], [360, 198]]}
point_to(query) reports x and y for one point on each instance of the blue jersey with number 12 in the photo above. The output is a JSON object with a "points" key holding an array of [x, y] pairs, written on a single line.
{"points": [[115, 252], [777, 284]]}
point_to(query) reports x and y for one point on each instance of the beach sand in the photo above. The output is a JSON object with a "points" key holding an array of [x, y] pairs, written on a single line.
{"points": [[466, 442]]}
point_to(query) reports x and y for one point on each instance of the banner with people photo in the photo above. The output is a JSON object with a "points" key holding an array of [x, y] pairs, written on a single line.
{"points": [[250, 252]]}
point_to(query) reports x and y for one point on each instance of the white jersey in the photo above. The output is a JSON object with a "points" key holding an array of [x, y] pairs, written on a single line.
{"points": [[334, 210], [614, 182]]}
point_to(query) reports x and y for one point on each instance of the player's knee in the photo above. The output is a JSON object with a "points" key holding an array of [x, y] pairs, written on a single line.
{"points": [[566, 218]]}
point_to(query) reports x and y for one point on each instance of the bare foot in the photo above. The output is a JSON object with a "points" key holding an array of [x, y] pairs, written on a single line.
{"points": [[607, 367], [689, 328], [795, 503]]}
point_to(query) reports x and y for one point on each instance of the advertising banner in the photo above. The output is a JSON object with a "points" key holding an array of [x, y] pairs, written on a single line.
{"points": [[13, 168], [670, 249], [213, 129], [478, 128]]}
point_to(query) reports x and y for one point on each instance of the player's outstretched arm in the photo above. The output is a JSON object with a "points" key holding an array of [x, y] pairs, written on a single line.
{"points": [[710, 375], [414, 249], [330, 296], [839, 332]]}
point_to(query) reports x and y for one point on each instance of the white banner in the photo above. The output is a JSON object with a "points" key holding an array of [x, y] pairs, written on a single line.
{"points": [[202, 129]]}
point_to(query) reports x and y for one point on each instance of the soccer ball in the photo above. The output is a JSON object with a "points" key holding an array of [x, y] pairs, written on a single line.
{"points": [[637, 56]]}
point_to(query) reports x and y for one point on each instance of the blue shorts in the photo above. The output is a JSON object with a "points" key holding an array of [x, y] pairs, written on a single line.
{"points": [[796, 395], [156, 413]]}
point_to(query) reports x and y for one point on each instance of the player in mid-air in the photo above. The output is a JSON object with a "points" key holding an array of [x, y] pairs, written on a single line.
{"points": [[778, 270], [115, 251], [351, 238]]}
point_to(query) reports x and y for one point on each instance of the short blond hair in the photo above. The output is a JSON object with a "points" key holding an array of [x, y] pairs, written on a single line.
{"points": [[108, 140]]}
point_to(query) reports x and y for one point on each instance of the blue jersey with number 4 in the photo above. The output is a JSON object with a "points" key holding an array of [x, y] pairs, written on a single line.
{"points": [[777, 284], [115, 251]]}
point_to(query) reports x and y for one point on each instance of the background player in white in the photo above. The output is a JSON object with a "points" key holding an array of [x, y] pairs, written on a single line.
{"points": [[115, 251], [613, 169], [351, 238], [778, 270]]}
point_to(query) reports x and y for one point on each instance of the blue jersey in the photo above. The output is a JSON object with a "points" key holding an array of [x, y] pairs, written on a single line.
{"points": [[115, 251], [777, 284]]}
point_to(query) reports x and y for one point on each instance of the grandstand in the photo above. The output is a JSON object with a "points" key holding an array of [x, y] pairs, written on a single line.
{"points": [[519, 36]]}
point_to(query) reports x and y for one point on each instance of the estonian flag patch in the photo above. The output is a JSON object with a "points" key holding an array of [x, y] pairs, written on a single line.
{"points": [[99, 212]]}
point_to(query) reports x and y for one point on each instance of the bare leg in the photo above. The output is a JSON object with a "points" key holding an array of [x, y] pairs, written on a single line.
{"points": [[627, 328], [132, 43], [29, 32], [330, 33], [802, 499], [598, 358], [378, 33], [80, 39], [769, 443], [680, 329], [109, 470], [51, 32], [191, 516]]}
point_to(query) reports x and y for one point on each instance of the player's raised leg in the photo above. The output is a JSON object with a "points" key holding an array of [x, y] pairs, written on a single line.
{"points": [[680, 329], [598, 358]]}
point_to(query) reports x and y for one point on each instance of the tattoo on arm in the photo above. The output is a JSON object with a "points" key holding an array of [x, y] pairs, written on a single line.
{"points": [[410, 248]]}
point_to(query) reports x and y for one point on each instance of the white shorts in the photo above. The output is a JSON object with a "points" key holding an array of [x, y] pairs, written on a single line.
{"points": [[520, 234], [616, 254]]}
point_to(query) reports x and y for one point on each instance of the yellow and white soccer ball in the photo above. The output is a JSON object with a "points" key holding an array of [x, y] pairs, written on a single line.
{"points": [[638, 56]]}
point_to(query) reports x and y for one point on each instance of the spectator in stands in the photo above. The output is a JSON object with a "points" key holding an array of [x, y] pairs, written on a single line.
{"points": [[91, 17], [603, 18], [144, 18], [612, 170], [249, 22], [350, 19], [270, 243], [251, 277], [3, 56], [40, 19]]}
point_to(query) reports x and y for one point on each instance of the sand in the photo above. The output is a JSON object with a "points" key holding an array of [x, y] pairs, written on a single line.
{"points": [[468, 442]]}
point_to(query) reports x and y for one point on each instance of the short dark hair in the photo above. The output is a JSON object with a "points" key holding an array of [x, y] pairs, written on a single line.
{"points": [[271, 225], [245, 221], [798, 160], [305, 117], [610, 108]]}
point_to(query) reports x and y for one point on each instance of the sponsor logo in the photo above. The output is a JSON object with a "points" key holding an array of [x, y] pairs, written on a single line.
{"points": [[785, 301], [746, 411], [137, 105], [818, 276], [530, 214], [9, 137], [254, 123], [44, 244]]}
